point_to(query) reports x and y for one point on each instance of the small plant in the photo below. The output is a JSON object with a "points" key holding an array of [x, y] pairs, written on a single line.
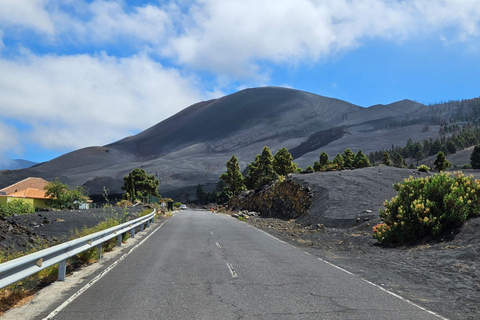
{"points": [[423, 168]]}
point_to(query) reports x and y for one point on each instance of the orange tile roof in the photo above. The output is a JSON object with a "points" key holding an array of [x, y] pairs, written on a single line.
{"points": [[29, 193], [32, 183]]}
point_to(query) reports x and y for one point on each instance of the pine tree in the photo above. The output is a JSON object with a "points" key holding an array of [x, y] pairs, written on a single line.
{"points": [[348, 158], [233, 178], [338, 160], [386, 159], [361, 160], [398, 161], [252, 174], [441, 162], [283, 162], [475, 158], [324, 159], [265, 168]]}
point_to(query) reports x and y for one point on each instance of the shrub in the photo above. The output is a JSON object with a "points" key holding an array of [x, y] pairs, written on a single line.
{"points": [[15, 207], [426, 206], [423, 168]]}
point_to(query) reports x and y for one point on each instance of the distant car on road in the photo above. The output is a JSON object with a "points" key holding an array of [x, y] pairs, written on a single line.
{"points": [[183, 207]]}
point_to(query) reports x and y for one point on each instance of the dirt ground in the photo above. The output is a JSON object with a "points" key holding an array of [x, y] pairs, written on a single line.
{"points": [[441, 274]]}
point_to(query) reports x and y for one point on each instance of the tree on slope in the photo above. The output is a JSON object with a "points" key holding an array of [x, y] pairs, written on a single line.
{"points": [[233, 178], [348, 158], [261, 171], [138, 185], [361, 160], [283, 162], [386, 159], [441, 162], [475, 158]]}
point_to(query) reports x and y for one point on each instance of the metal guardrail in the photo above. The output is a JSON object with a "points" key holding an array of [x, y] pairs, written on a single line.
{"points": [[20, 268]]}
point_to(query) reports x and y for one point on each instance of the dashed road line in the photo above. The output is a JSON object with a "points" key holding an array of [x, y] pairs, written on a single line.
{"points": [[232, 271], [218, 245], [211, 233]]}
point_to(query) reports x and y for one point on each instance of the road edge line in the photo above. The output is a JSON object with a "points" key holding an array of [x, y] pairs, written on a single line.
{"points": [[365, 280], [98, 277]]}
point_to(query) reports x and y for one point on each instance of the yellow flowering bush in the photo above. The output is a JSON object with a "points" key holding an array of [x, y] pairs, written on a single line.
{"points": [[425, 206]]}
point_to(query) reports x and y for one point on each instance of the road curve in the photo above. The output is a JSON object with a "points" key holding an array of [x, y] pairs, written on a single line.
{"points": [[203, 265]]}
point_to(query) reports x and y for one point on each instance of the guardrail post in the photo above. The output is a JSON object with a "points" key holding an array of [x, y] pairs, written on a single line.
{"points": [[133, 232], [62, 270], [99, 249], [148, 224], [141, 227], [119, 240]]}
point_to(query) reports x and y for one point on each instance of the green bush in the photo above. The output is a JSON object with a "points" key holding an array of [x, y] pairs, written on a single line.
{"points": [[426, 206], [177, 204], [15, 207], [423, 168]]}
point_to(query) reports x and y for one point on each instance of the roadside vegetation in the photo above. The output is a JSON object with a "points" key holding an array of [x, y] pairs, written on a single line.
{"points": [[427, 206], [15, 207]]}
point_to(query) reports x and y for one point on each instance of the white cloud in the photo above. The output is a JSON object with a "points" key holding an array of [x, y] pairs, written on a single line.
{"points": [[235, 37], [30, 14], [109, 22], [81, 100]]}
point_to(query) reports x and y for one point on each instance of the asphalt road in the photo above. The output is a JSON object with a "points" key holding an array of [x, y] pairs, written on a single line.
{"points": [[202, 265]]}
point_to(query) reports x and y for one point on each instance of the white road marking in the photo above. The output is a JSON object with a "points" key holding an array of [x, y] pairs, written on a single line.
{"points": [[211, 233], [371, 283], [232, 271], [268, 234], [103, 273], [218, 245], [385, 290], [308, 253]]}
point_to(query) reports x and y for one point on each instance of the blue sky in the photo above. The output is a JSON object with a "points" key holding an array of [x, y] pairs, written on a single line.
{"points": [[77, 73]]}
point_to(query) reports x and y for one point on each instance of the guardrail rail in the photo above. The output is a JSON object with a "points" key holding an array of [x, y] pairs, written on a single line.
{"points": [[20, 268]]}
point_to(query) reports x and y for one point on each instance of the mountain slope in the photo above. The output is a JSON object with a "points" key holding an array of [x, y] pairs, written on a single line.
{"points": [[192, 146]]}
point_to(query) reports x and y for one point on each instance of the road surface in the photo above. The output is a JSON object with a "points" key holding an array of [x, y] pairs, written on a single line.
{"points": [[203, 265]]}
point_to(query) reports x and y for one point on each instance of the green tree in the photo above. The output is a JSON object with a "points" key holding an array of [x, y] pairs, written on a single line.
{"points": [[338, 160], [441, 162], [265, 168], [451, 148], [200, 193], [139, 185], [283, 162], [475, 158], [361, 160], [309, 169], [398, 161], [324, 159], [386, 159], [348, 158], [62, 197], [233, 178], [261, 172]]}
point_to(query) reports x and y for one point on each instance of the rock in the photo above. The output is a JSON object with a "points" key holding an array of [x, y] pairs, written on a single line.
{"points": [[368, 211], [366, 219], [235, 215], [46, 221]]}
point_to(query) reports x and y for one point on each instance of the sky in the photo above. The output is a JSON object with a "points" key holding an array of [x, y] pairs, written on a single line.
{"points": [[79, 73]]}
